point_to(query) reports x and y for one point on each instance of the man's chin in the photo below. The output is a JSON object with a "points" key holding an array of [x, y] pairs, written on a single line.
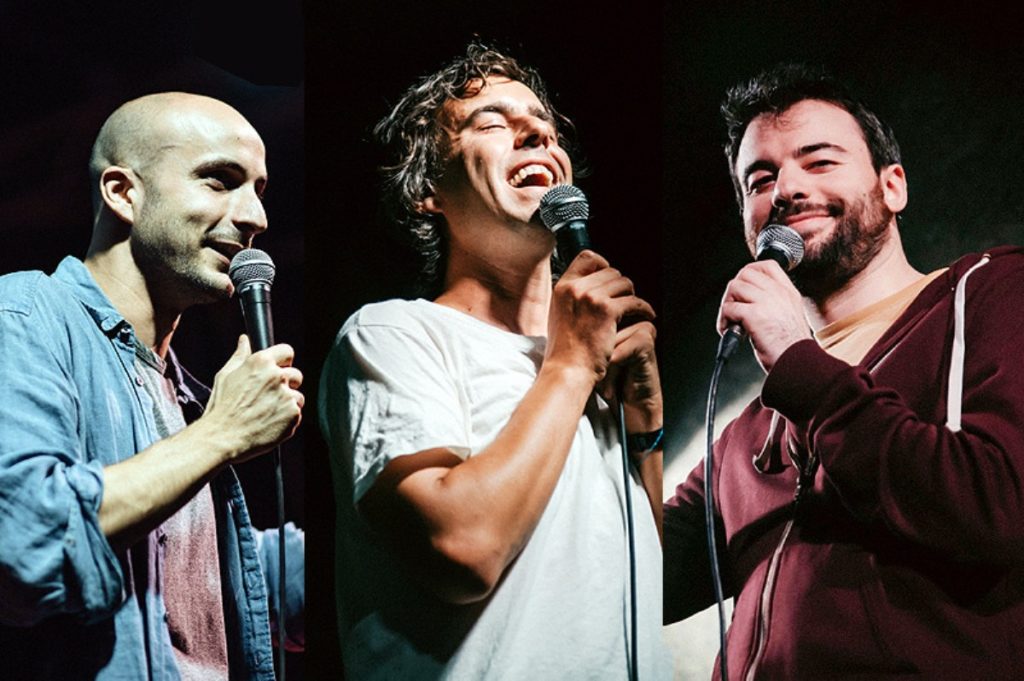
{"points": [[213, 287]]}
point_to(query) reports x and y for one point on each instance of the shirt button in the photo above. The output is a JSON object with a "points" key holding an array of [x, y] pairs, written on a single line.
{"points": [[139, 381]]}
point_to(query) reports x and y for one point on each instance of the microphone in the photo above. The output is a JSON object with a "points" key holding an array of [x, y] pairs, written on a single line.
{"points": [[252, 273], [775, 242], [564, 210]]}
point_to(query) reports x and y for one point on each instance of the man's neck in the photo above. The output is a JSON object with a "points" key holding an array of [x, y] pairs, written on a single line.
{"points": [[887, 273], [124, 285], [501, 291]]}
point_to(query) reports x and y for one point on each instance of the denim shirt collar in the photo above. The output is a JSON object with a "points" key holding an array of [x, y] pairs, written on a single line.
{"points": [[73, 273]]}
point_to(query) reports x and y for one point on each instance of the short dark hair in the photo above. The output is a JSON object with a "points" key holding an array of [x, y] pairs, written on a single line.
{"points": [[774, 91], [417, 146]]}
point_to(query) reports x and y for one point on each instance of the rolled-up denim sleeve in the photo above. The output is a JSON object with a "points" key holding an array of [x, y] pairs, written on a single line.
{"points": [[268, 542], [54, 559]]}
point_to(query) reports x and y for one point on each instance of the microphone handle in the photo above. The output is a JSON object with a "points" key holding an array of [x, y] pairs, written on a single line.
{"points": [[259, 324], [571, 239]]}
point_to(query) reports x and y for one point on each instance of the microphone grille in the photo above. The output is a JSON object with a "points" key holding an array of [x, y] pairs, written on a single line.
{"points": [[784, 240], [249, 266], [561, 204]]}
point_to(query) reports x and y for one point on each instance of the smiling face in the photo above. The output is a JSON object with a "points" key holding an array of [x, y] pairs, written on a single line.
{"points": [[504, 155], [199, 201], [810, 168]]}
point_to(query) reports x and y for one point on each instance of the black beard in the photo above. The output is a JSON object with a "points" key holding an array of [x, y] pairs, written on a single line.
{"points": [[859, 234]]}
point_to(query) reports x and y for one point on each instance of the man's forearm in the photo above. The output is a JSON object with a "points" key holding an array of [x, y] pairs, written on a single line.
{"points": [[141, 492], [480, 512], [651, 475], [647, 416]]}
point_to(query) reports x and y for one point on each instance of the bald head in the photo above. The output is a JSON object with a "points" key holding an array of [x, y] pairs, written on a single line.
{"points": [[136, 134], [178, 185]]}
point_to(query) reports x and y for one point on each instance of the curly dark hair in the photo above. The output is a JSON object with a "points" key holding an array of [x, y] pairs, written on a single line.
{"points": [[774, 91], [417, 146]]}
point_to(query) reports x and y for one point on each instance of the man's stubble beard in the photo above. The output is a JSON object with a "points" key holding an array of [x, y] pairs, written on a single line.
{"points": [[860, 232], [173, 272]]}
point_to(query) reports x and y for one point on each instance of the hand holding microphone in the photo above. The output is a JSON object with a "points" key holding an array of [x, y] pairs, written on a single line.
{"points": [[255, 398], [588, 305], [762, 302]]}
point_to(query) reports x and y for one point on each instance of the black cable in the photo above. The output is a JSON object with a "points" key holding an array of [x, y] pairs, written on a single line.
{"points": [[282, 580], [631, 541], [709, 510]]}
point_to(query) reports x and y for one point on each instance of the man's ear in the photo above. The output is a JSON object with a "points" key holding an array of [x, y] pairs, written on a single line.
{"points": [[120, 191], [893, 180]]}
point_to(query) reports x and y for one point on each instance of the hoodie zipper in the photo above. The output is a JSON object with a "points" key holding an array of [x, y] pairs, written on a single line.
{"points": [[805, 479], [765, 606]]}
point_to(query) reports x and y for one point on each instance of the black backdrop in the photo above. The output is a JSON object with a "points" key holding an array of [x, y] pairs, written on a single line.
{"points": [[360, 58], [641, 80], [65, 67], [948, 83]]}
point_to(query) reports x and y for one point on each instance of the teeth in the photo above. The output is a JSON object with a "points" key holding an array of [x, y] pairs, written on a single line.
{"points": [[546, 178]]}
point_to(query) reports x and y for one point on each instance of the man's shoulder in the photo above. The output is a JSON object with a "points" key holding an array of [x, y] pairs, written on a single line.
{"points": [[401, 315], [995, 272], [393, 332], [999, 259], [22, 292]]}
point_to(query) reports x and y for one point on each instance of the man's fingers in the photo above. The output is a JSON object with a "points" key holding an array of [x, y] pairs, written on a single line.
{"points": [[634, 340], [281, 354], [609, 385], [736, 312], [633, 307], [242, 351], [610, 283], [583, 264], [292, 377]]}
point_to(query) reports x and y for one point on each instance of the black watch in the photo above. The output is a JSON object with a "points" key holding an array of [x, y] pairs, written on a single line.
{"points": [[644, 443]]}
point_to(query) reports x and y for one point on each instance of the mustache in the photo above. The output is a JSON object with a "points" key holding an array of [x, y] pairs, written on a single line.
{"points": [[833, 209], [230, 236]]}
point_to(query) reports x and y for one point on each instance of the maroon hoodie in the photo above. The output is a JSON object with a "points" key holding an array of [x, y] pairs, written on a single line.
{"points": [[898, 551]]}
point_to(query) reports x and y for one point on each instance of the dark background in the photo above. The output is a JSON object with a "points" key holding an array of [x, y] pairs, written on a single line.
{"points": [[643, 82], [65, 69], [948, 82], [603, 72]]}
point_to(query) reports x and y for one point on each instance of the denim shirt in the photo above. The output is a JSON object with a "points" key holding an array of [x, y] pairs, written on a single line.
{"points": [[71, 403]]}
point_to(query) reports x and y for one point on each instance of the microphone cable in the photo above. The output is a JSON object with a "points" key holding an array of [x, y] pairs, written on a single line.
{"points": [[282, 580], [633, 648], [709, 504]]}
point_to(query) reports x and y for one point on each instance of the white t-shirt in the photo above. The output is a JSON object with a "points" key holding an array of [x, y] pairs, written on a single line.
{"points": [[405, 376]]}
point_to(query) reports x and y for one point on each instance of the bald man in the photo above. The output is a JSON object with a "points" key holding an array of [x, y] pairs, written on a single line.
{"points": [[125, 547]]}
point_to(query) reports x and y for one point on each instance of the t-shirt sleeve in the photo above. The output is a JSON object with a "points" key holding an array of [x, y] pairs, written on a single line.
{"points": [[388, 391]]}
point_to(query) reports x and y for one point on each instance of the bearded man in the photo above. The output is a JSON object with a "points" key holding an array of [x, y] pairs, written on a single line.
{"points": [[869, 504]]}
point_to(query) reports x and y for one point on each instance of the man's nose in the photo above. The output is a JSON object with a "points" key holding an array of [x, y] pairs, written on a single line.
{"points": [[790, 186], [248, 214], [535, 132]]}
